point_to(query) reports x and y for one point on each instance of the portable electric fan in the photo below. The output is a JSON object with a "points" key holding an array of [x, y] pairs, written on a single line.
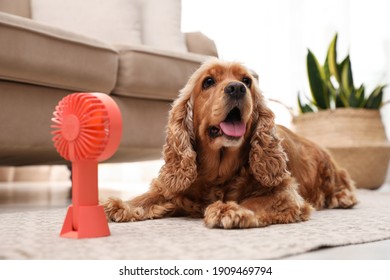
{"points": [[87, 128]]}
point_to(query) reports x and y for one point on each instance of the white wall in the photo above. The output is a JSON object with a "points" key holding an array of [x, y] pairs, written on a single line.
{"points": [[272, 37]]}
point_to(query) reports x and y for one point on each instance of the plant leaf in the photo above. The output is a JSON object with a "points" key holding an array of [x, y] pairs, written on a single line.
{"points": [[305, 108], [331, 93], [353, 101], [374, 100], [341, 100], [347, 86], [340, 66], [326, 68], [332, 59], [360, 96], [317, 82], [347, 78]]}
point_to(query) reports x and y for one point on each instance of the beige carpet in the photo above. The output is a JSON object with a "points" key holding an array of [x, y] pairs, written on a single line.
{"points": [[35, 235]]}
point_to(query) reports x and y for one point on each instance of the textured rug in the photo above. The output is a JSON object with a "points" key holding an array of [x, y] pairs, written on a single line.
{"points": [[35, 235]]}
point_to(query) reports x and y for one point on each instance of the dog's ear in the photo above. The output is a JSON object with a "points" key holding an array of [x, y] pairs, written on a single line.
{"points": [[267, 159], [179, 170]]}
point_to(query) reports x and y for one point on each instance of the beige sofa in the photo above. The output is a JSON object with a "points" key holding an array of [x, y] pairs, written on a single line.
{"points": [[41, 63]]}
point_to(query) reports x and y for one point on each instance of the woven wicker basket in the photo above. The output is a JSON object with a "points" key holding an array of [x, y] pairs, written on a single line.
{"points": [[355, 137]]}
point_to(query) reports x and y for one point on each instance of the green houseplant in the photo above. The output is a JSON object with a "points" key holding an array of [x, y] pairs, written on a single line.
{"points": [[332, 85], [344, 118]]}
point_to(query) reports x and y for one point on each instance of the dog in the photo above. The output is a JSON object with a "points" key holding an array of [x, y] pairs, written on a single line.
{"points": [[227, 162]]}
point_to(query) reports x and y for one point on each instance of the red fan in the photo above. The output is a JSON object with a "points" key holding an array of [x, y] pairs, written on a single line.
{"points": [[87, 128]]}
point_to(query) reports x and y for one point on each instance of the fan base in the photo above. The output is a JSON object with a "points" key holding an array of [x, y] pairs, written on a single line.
{"points": [[92, 222]]}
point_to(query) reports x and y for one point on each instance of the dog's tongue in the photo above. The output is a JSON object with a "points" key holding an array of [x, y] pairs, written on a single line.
{"points": [[235, 129]]}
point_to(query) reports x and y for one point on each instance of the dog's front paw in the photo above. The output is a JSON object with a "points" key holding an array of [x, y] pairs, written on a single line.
{"points": [[229, 215], [343, 199], [118, 211]]}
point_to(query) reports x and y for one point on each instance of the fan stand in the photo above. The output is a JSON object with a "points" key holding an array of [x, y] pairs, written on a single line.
{"points": [[85, 218]]}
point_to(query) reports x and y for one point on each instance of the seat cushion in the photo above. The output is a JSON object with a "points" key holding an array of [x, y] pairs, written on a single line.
{"points": [[34, 53], [151, 73]]}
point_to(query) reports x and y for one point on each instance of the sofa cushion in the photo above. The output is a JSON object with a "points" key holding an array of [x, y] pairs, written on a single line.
{"points": [[114, 21], [147, 72], [161, 25], [19, 7], [38, 54]]}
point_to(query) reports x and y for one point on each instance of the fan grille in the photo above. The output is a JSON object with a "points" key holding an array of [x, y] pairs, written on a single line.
{"points": [[80, 127]]}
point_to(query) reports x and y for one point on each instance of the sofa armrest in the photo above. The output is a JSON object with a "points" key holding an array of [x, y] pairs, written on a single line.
{"points": [[199, 43], [35, 53]]}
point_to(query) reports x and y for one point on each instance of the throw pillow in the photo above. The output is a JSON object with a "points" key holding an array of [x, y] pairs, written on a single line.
{"points": [[113, 21], [161, 25]]}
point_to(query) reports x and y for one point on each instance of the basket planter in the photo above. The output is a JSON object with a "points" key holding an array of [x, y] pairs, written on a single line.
{"points": [[355, 137]]}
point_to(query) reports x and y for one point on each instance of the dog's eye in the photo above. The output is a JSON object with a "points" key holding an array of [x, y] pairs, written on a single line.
{"points": [[208, 82], [247, 81]]}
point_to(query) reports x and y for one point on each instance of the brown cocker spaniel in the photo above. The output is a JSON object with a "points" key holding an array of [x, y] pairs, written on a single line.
{"points": [[227, 162]]}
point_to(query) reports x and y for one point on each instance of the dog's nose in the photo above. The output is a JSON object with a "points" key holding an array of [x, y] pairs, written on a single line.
{"points": [[235, 90]]}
